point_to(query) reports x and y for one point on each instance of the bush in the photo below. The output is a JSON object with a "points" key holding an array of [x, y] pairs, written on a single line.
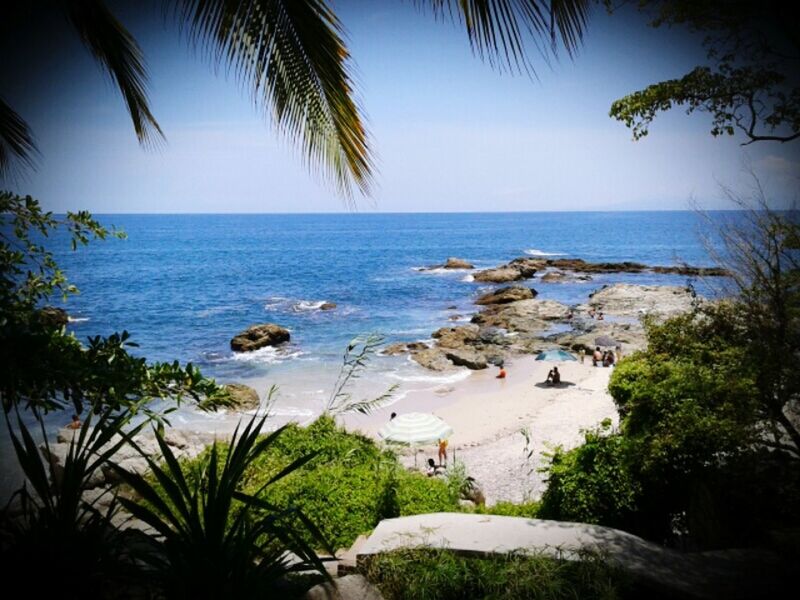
{"points": [[348, 488], [529, 510], [435, 574], [592, 483]]}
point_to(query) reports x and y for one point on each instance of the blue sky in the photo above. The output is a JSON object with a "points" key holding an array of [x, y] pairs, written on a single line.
{"points": [[450, 133]]}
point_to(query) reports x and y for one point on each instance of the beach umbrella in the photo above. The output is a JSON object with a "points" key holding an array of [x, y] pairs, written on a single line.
{"points": [[605, 340], [415, 429], [559, 355]]}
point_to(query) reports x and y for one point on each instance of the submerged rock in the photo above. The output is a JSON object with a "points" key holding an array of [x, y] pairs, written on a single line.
{"points": [[507, 294], [258, 336], [244, 397], [457, 263], [327, 306]]}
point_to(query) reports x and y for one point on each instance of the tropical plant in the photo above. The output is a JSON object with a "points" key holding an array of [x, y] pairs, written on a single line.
{"points": [[751, 86], [213, 540], [55, 521], [45, 367], [354, 362], [292, 58]]}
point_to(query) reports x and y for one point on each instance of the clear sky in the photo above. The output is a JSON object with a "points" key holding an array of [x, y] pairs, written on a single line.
{"points": [[451, 134]]}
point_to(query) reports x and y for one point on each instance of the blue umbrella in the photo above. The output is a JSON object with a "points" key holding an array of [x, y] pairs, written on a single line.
{"points": [[561, 355]]}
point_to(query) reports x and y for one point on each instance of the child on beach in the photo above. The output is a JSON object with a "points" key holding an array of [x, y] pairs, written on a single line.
{"points": [[442, 452], [502, 373]]}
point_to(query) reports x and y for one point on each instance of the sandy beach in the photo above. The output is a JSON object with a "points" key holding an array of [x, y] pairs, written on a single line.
{"points": [[488, 415]]}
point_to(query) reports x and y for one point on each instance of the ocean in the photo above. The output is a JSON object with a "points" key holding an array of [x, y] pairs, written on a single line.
{"points": [[184, 285]]}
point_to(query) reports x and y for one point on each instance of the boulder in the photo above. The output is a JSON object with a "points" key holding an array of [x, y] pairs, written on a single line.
{"points": [[432, 359], [51, 316], [505, 274], [455, 337], [457, 263], [554, 276], [629, 300], [327, 306], [694, 271], [506, 294], [527, 266], [522, 316], [416, 346], [466, 357], [403, 348], [243, 396], [259, 336]]}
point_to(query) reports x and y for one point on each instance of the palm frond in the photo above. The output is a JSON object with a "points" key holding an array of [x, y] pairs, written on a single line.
{"points": [[16, 141], [116, 50], [500, 31], [291, 55]]}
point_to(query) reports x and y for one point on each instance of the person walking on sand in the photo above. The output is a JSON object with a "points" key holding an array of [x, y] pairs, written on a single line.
{"points": [[582, 354], [597, 357], [442, 452]]}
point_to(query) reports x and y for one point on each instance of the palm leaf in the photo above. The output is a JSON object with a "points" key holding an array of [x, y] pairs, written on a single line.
{"points": [[116, 50], [16, 141], [500, 31], [291, 55]]}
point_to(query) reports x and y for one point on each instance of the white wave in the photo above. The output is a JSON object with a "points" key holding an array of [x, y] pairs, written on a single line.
{"points": [[267, 355], [437, 270], [438, 379], [307, 305], [77, 319], [468, 278], [275, 302], [535, 252]]}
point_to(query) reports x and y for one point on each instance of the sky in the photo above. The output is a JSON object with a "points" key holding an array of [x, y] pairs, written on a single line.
{"points": [[450, 133]]}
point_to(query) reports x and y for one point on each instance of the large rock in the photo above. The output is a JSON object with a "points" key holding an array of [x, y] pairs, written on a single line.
{"points": [[327, 306], [457, 263], [629, 300], [243, 396], [432, 359], [53, 317], [522, 316], [455, 337], [259, 336], [505, 274], [507, 294], [466, 357], [403, 348], [527, 266], [631, 336]]}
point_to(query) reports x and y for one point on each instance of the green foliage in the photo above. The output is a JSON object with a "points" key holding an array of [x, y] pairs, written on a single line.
{"points": [[528, 510], [349, 486], [435, 574], [592, 483], [57, 524], [46, 368], [214, 541], [751, 87]]}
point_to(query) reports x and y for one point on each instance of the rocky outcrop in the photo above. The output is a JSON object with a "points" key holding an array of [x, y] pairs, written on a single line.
{"points": [[432, 359], [505, 295], [50, 316], [562, 277], [522, 316], [455, 337], [403, 348], [327, 306], [694, 271], [457, 263], [243, 396], [466, 357], [578, 264], [631, 336], [499, 275], [628, 300], [259, 336]]}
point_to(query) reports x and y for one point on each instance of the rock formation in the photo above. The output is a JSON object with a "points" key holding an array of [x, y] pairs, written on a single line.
{"points": [[258, 336]]}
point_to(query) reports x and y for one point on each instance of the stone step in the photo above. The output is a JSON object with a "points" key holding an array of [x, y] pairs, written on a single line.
{"points": [[347, 559]]}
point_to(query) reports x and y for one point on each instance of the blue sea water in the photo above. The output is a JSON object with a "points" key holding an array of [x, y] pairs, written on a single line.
{"points": [[183, 285]]}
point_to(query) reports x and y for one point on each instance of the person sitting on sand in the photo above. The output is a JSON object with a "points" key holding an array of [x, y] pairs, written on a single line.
{"points": [[434, 469], [502, 373], [75, 423], [597, 357], [553, 377]]}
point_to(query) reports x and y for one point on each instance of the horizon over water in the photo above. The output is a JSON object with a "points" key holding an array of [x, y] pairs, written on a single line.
{"points": [[184, 284]]}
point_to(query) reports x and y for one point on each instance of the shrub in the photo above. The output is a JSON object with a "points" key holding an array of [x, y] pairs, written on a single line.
{"points": [[436, 574]]}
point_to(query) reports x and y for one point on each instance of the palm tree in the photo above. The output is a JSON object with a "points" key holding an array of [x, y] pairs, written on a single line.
{"points": [[291, 56]]}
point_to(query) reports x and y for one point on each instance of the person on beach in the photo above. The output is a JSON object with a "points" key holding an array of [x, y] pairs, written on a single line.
{"points": [[597, 357], [619, 354], [502, 373], [434, 469], [394, 414], [442, 452], [591, 312], [75, 423], [553, 377], [608, 358], [599, 316], [582, 354]]}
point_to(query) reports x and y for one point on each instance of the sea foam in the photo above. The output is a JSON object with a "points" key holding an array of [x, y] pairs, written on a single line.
{"points": [[535, 252]]}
